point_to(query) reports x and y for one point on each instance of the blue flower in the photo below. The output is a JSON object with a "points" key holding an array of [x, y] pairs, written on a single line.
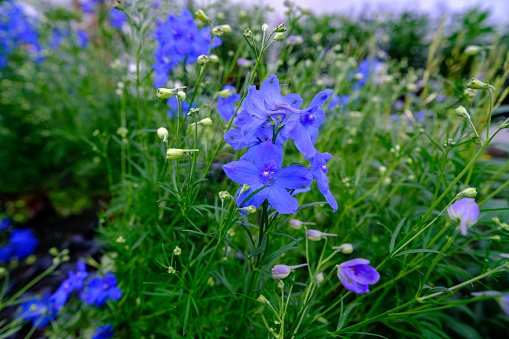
{"points": [[98, 290], [366, 68], [339, 101], [465, 212], [6, 253], [74, 282], [179, 40], [225, 106], [104, 332], [357, 274], [23, 243], [319, 170], [82, 38], [89, 6], [38, 311], [117, 18], [502, 299], [17, 30], [4, 224], [173, 103], [267, 171]]}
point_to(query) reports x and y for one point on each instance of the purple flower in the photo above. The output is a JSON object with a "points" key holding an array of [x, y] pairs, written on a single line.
{"points": [[225, 106], [315, 235], [74, 282], [179, 40], [117, 18], [465, 212], [98, 290], [502, 299], [23, 243], [356, 275], [38, 311], [173, 103], [4, 224], [267, 171], [294, 40], [282, 271], [319, 170], [104, 332], [504, 303]]}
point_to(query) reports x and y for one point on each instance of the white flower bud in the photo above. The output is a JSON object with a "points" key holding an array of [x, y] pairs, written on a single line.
{"points": [[225, 93], [162, 133], [473, 50], [248, 33], [214, 58], [175, 153], [249, 209], [470, 192], [345, 248], [461, 112], [244, 188], [177, 250], [225, 195], [265, 27], [319, 278], [279, 37], [263, 300], [281, 28], [203, 59]]}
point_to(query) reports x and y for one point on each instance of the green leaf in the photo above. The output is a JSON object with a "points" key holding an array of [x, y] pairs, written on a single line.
{"points": [[395, 235], [280, 251], [344, 316], [421, 250]]}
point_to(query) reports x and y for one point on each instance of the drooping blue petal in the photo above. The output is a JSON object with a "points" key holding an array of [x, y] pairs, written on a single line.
{"points": [[282, 200], [242, 172]]}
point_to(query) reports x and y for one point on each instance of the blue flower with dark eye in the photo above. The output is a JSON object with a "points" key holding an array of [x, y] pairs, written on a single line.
{"points": [[39, 312], [82, 38], [4, 224], [74, 282], [117, 18], [104, 332], [180, 40], [23, 243], [319, 170], [357, 274], [339, 101], [465, 212], [267, 171], [225, 106], [98, 290]]}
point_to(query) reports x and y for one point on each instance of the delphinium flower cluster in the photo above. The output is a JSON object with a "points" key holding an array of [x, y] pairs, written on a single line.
{"points": [[96, 291], [267, 120], [17, 31], [180, 40]]}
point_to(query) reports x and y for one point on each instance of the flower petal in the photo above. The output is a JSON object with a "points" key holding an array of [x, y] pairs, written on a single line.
{"points": [[281, 200], [293, 177], [242, 172]]}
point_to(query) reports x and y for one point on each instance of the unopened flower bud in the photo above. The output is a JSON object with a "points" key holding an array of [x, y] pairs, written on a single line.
{"points": [[225, 93], [305, 10], [470, 192], [171, 270], [193, 111], [478, 84], [226, 29], [218, 31], [461, 112], [244, 188], [249, 209], [177, 250], [53, 251], [279, 37], [265, 27], [181, 96], [165, 93], [472, 50], [248, 33], [214, 58], [280, 28], [345, 248], [205, 122], [203, 59], [319, 278], [175, 153], [297, 224], [382, 169], [358, 76], [281, 284], [263, 300], [162, 133], [225, 195], [200, 15], [315, 235]]}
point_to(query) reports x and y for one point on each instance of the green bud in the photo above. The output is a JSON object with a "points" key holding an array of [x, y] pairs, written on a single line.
{"points": [[469, 192], [225, 93], [225, 195], [175, 153], [249, 209], [165, 93], [281, 28], [472, 50], [244, 188], [214, 58], [200, 15], [162, 133], [461, 112], [181, 96], [478, 84], [203, 59], [279, 37], [248, 33]]}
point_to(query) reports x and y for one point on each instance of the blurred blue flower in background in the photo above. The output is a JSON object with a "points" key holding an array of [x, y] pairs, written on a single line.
{"points": [[117, 18], [4, 223], [225, 106], [179, 40], [104, 332], [38, 311], [22, 243], [17, 30], [83, 38], [339, 101], [74, 282], [98, 290]]}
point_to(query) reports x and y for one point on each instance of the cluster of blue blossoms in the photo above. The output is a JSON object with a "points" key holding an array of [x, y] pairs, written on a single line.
{"points": [[95, 292], [22, 243], [267, 120], [116, 17], [180, 40], [59, 35], [17, 30]]}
